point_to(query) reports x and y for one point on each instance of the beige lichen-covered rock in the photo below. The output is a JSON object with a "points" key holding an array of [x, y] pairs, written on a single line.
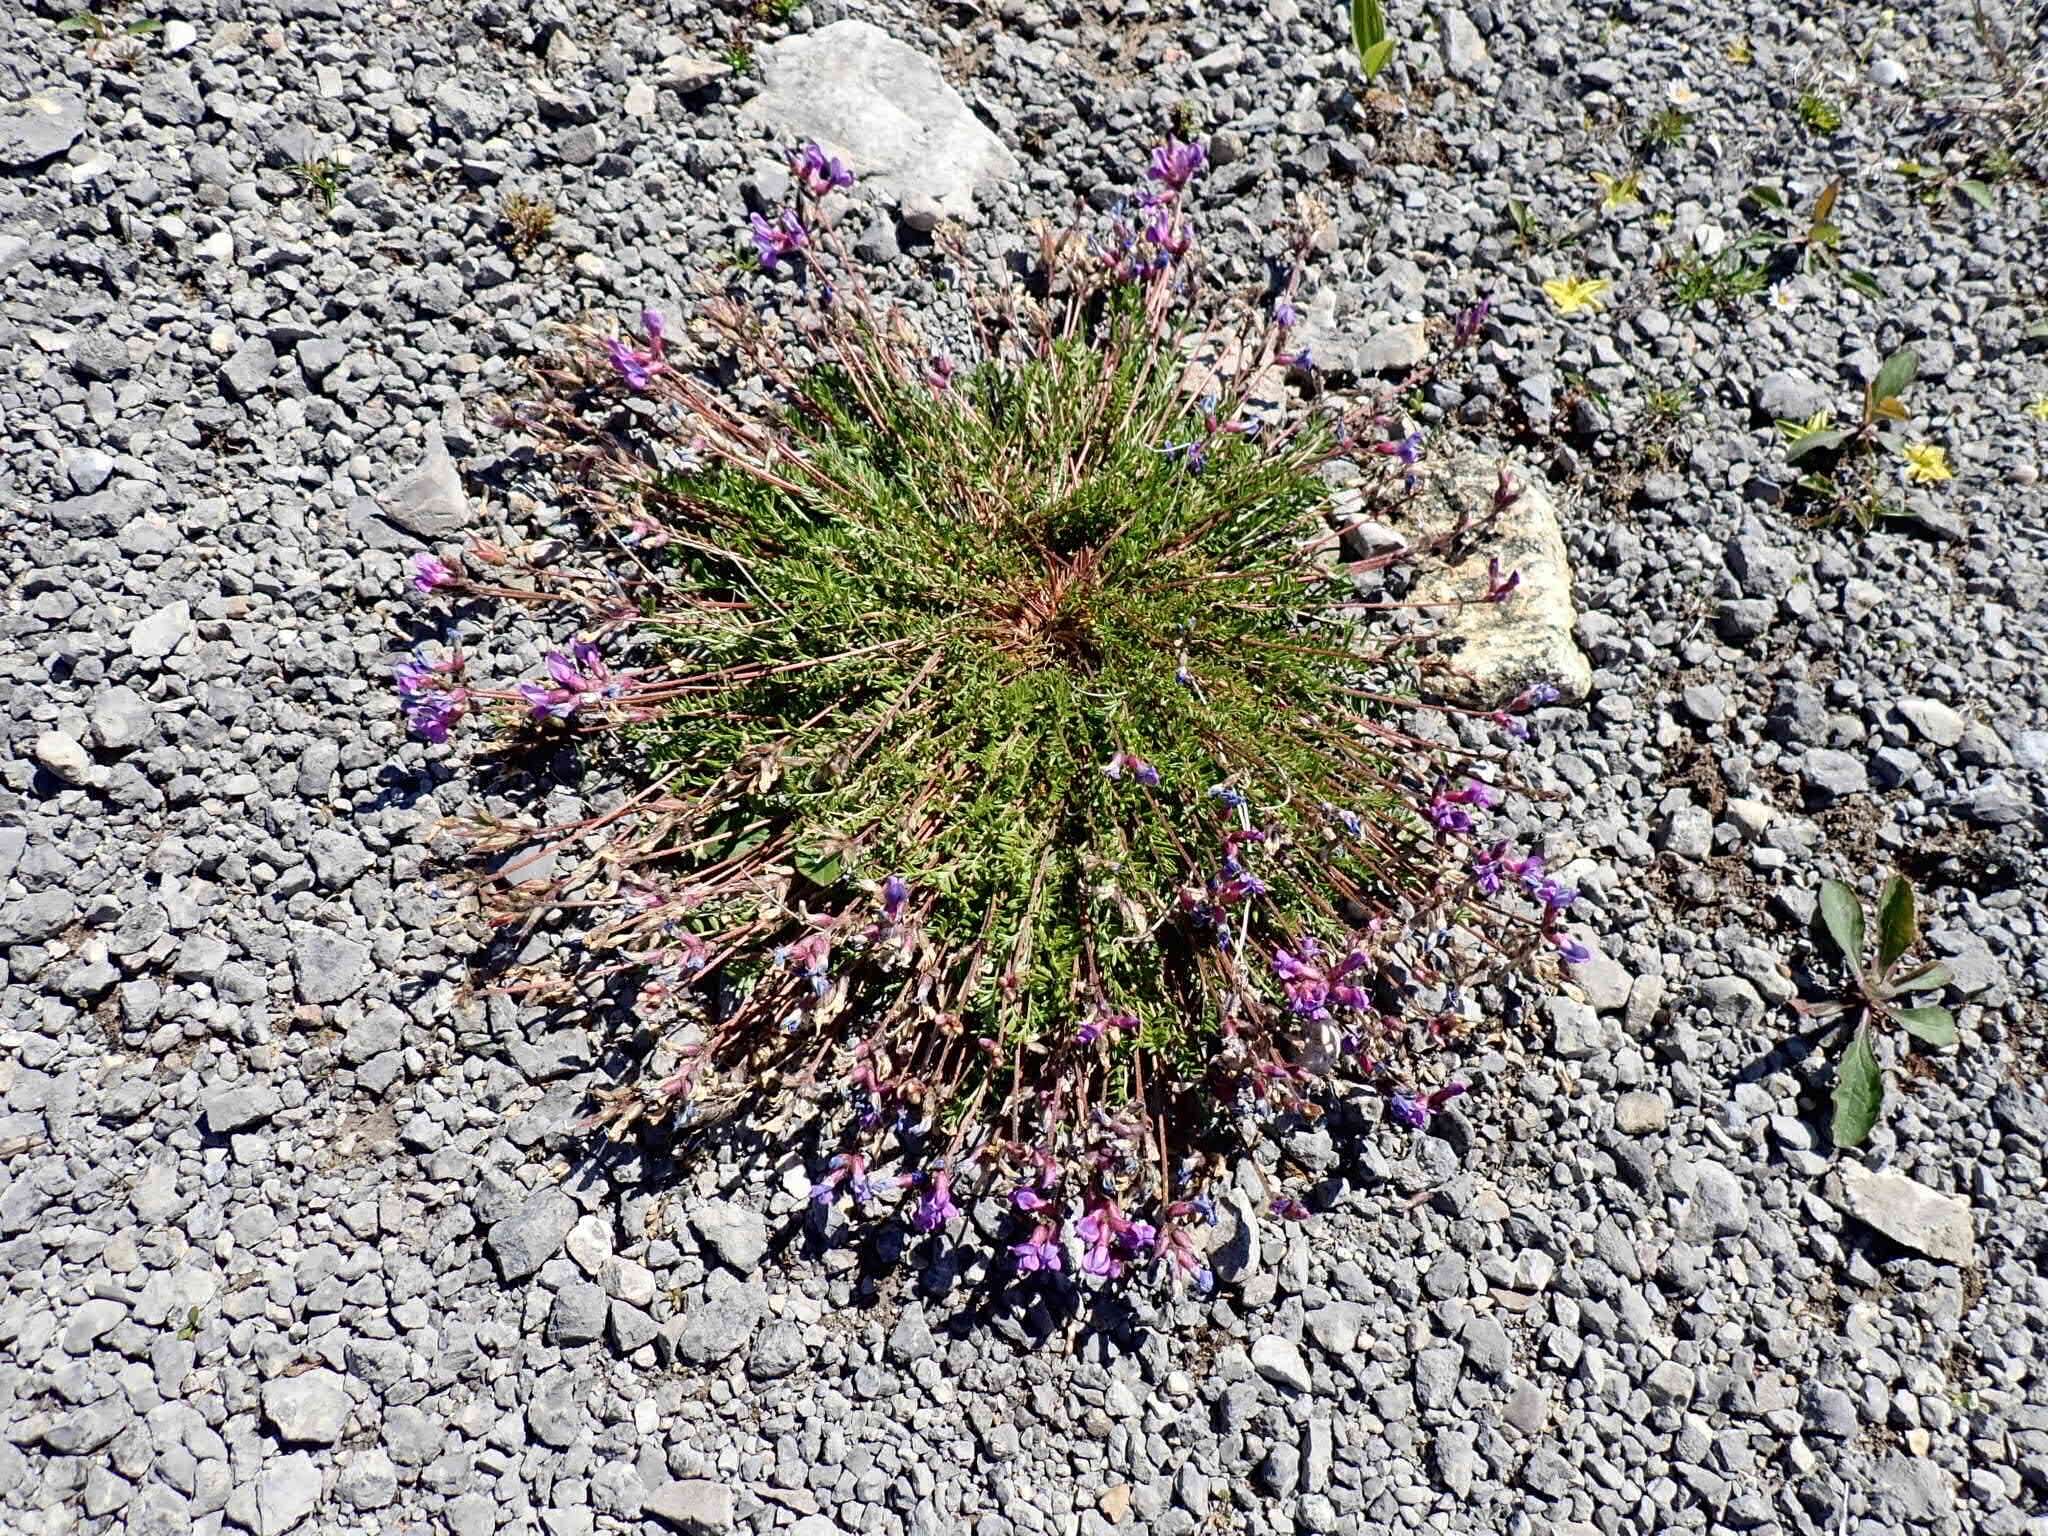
{"points": [[1909, 1213], [1496, 649]]}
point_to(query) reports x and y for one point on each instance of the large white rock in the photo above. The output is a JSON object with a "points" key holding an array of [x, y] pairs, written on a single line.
{"points": [[884, 108], [1497, 649]]}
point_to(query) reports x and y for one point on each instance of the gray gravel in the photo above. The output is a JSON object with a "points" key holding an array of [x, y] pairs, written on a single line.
{"points": [[295, 1229]]}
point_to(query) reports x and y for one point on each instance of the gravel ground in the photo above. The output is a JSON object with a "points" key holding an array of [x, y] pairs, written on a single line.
{"points": [[294, 1231]]}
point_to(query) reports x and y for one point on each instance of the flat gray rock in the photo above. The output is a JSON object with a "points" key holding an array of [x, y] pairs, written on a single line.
{"points": [[430, 504], [308, 1409], [1909, 1213], [329, 966], [533, 1234], [886, 109], [696, 1505], [36, 127]]}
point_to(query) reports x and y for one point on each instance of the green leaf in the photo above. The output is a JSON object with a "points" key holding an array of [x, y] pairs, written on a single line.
{"points": [[1898, 925], [79, 23], [1864, 283], [1375, 58], [1368, 31], [1978, 193], [1816, 442], [732, 834], [1519, 215], [820, 866], [1842, 910], [1895, 375], [1931, 977], [1859, 1090], [144, 28], [1763, 192], [1930, 1026]]}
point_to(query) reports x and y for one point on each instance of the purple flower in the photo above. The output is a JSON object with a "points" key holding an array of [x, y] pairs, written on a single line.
{"points": [[1287, 1208], [1470, 322], [1230, 796], [1123, 762], [1285, 315], [429, 574], [1167, 234], [1039, 1251], [1498, 587], [1416, 1110], [1488, 868], [1302, 362], [895, 892], [637, 366], [431, 694], [819, 172], [1447, 808], [935, 1205], [1026, 1198], [579, 674], [1570, 950], [430, 716], [1533, 697], [786, 238], [1408, 449], [849, 1169], [1175, 164]]}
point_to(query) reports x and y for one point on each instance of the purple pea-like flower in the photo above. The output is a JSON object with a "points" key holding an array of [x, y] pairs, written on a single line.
{"points": [[1500, 587], [1039, 1251], [1285, 315], [895, 893], [1570, 950], [430, 716], [785, 239], [1175, 164], [637, 366], [430, 574], [1488, 869], [1410, 1111], [1026, 1198], [1407, 449], [1470, 322], [935, 1205], [819, 172]]}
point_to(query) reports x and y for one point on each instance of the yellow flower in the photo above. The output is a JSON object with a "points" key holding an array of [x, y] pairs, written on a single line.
{"points": [[2039, 409], [1618, 191], [1572, 294], [1926, 464]]}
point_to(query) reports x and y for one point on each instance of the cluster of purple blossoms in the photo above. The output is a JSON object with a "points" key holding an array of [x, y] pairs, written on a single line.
{"points": [[935, 1207], [811, 957], [1451, 810], [819, 172], [1470, 322], [1110, 1240], [1285, 315], [637, 366], [579, 675], [432, 694], [1039, 1251], [430, 574], [1312, 985], [1492, 868], [1100, 1024], [847, 1170], [1175, 164], [1136, 766], [783, 240]]}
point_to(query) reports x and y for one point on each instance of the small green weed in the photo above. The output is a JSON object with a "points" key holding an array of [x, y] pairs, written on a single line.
{"points": [[1818, 113], [322, 178], [1878, 983]]}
